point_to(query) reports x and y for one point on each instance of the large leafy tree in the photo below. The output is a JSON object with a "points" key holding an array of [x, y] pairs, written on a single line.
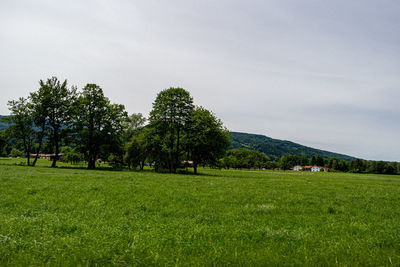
{"points": [[54, 101], [99, 124], [171, 113], [206, 139], [22, 126]]}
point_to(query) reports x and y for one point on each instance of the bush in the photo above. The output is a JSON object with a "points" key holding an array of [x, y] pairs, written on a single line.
{"points": [[16, 153], [74, 157], [115, 161]]}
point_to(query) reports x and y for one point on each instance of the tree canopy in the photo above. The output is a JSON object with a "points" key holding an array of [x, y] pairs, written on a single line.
{"points": [[99, 123], [171, 113]]}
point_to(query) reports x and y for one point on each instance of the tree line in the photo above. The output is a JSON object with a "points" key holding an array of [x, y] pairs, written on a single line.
{"points": [[86, 125], [341, 165], [250, 159], [83, 125]]}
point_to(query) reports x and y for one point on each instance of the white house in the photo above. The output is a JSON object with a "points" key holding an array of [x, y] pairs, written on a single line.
{"points": [[297, 168], [315, 169]]}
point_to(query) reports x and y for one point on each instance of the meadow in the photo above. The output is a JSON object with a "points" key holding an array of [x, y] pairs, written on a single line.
{"points": [[71, 216]]}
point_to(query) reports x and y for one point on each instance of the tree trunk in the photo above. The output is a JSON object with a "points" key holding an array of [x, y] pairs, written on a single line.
{"points": [[26, 148], [40, 144], [142, 165], [177, 151], [28, 157], [92, 158], [57, 148], [91, 164], [194, 167]]}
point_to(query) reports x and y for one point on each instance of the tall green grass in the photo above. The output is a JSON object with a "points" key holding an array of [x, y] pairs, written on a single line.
{"points": [[72, 217]]}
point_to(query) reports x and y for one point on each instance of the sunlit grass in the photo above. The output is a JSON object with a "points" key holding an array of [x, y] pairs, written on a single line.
{"points": [[47, 163], [68, 216]]}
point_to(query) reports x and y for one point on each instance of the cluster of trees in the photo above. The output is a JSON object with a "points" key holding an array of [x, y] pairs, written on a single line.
{"points": [[178, 132], [85, 125], [245, 159], [380, 167], [56, 115], [335, 164], [250, 159]]}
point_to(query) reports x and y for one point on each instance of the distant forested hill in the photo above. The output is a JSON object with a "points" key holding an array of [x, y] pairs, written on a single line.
{"points": [[275, 148], [3, 125]]}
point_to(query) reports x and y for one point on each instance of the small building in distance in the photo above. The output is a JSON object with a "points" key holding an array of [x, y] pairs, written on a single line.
{"points": [[326, 169], [307, 168], [315, 168], [298, 168]]}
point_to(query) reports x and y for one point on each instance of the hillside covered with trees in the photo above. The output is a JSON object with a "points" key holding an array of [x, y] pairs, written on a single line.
{"points": [[275, 148], [3, 125]]}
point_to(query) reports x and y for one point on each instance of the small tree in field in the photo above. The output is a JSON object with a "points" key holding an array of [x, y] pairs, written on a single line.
{"points": [[22, 125], [136, 151], [74, 156], [206, 139]]}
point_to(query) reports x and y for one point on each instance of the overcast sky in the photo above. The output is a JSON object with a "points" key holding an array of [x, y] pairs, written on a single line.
{"points": [[325, 74]]}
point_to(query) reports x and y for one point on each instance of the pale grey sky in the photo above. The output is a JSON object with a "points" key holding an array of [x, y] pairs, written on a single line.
{"points": [[321, 73]]}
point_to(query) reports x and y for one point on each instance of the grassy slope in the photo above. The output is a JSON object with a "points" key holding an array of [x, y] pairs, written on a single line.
{"points": [[71, 216]]}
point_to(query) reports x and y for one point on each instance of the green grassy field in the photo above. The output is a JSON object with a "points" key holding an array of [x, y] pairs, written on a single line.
{"points": [[68, 216]]}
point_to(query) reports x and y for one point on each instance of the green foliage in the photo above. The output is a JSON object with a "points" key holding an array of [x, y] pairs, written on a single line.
{"points": [[73, 156], [65, 149], [55, 101], [74, 217], [22, 125], [206, 139], [5, 147], [133, 125], [115, 161], [245, 159], [338, 164], [99, 124], [170, 114], [317, 160], [289, 161], [16, 153], [136, 151]]}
